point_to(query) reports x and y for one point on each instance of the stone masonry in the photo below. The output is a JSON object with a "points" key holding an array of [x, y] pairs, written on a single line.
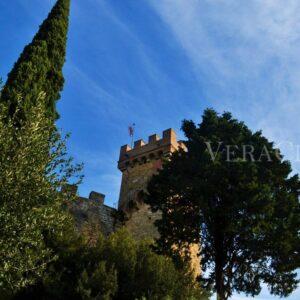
{"points": [[137, 166], [92, 216]]}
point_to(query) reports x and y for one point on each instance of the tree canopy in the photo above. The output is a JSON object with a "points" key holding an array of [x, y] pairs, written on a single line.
{"points": [[34, 167], [34, 162], [118, 267], [39, 67], [233, 192]]}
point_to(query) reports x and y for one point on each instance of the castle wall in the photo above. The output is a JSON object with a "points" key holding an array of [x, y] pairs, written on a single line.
{"points": [[140, 223], [92, 217], [139, 218]]}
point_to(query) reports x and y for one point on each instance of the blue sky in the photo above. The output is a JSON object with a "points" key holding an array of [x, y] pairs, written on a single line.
{"points": [[155, 63]]}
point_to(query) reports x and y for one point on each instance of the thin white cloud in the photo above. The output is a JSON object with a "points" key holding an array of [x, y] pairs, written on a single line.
{"points": [[113, 102], [39, 5], [117, 106], [143, 52], [249, 50], [261, 28]]}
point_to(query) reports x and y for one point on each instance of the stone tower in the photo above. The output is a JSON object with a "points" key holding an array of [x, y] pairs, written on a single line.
{"points": [[137, 166]]}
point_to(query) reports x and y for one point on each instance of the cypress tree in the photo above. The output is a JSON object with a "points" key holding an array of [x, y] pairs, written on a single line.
{"points": [[39, 67], [233, 192]]}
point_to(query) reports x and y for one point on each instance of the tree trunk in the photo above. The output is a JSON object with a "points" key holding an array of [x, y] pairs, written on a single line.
{"points": [[220, 280], [219, 261]]}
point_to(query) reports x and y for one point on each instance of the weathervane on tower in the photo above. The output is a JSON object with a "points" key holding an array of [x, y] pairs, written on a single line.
{"points": [[131, 132]]}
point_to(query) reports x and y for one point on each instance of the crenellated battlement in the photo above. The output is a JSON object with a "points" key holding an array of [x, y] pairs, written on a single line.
{"points": [[92, 217], [155, 148], [138, 165]]}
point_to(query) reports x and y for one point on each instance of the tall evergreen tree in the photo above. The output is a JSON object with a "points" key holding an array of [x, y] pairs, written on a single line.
{"points": [[232, 189], [39, 67]]}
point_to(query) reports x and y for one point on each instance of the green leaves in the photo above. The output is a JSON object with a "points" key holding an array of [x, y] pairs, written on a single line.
{"points": [[34, 166], [39, 67], [118, 267], [100, 284], [232, 191]]}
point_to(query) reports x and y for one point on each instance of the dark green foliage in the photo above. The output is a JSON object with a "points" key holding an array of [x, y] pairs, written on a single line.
{"points": [[100, 284], [244, 208], [39, 67], [117, 268]]}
